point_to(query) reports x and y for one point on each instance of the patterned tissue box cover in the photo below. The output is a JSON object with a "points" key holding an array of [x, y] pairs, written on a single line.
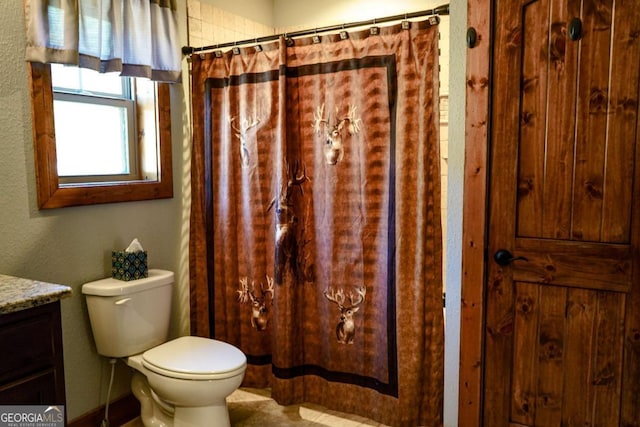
{"points": [[129, 265]]}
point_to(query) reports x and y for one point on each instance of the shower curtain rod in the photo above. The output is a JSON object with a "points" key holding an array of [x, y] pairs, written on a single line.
{"points": [[440, 10]]}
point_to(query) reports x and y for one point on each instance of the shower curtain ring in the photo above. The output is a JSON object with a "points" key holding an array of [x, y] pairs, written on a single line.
{"points": [[406, 24], [344, 34], [288, 40], [374, 30]]}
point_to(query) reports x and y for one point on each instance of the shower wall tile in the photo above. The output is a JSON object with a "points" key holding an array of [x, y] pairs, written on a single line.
{"points": [[208, 32], [210, 25], [193, 9], [195, 28], [206, 13], [196, 41], [218, 18], [444, 137], [444, 55]]}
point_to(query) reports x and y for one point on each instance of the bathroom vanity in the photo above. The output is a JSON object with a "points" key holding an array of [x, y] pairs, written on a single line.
{"points": [[31, 362]]}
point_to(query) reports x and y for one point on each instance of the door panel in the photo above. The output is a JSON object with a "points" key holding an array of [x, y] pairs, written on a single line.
{"points": [[590, 140], [575, 162], [533, 94], [569, 337], [561, 324], [557, 186]]}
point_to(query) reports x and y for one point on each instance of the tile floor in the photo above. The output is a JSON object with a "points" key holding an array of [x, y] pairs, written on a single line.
{"points": [[255, 408]]}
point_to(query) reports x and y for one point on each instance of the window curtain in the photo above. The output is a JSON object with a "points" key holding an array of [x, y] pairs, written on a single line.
{"points": [[315, 239], [137, 38]]}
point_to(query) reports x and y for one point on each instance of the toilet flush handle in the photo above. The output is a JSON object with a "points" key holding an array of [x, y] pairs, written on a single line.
{"points": [[122, 301]]}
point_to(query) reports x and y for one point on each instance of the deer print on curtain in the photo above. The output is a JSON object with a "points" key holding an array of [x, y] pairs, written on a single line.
{"points": [[333, 150], [241, 132], [259, 304], [346, 329], [315, 228]]}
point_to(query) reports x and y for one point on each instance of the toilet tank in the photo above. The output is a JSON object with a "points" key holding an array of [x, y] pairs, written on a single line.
{"points": [[128, 318]]}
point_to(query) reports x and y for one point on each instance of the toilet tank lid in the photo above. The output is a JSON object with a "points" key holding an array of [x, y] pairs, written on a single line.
{"points": [[115, 287]]}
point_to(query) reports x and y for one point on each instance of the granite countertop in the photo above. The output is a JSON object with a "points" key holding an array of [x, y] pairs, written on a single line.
{"points": [[17, 294]]}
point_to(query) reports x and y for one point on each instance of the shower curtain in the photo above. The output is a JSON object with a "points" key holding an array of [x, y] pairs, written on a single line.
{"points": [[315, 243]]}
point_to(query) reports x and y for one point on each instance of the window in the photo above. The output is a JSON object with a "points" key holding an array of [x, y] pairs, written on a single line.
{"points": [[102, 106], [99, 138]]}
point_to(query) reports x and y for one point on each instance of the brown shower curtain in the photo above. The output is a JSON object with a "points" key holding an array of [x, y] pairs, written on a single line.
{"points": [[315, 227]]}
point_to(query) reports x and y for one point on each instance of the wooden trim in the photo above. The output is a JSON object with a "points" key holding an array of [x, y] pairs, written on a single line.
{"points": [[474, 234], [43, 133], [630, 399], [121, 411], [50, 194], [573, 264]]}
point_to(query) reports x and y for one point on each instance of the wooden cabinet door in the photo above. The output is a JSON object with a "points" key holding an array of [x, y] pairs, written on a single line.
{"points": [[562, 324]]}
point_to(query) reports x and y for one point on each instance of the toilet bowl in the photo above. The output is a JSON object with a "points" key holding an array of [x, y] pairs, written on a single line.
{"points": [[182, 382], [189, 377]]}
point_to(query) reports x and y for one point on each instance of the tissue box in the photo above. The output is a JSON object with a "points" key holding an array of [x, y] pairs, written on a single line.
{"points": [[129, 265]]}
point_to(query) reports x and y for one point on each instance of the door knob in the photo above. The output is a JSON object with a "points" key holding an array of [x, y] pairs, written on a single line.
{"points": [[503, 257]]}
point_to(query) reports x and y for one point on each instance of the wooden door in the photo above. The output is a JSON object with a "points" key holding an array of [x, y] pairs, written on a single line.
{"points": [[562, 325]]}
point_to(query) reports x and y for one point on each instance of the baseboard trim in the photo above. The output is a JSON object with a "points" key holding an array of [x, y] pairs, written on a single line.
{"points": [[121, 411]]}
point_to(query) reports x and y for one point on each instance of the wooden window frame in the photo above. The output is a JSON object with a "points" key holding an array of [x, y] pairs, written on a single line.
{"points": [[51, 194]]}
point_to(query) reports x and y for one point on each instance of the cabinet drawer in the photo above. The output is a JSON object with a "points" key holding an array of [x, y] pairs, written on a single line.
{"points": [[37, 389], [28, 343]]}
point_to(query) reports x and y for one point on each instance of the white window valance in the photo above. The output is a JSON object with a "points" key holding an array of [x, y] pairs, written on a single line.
{"points": [[137, 38]]}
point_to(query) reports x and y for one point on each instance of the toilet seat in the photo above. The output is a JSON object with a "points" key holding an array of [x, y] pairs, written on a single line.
{"points": [[195, 358]]}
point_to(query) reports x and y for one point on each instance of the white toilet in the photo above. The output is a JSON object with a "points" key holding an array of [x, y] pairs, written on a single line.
{"points": [[182, 382]]}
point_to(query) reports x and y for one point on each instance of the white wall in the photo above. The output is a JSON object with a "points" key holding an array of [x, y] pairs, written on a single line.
{"points": [[457, 87], [72, 245]]}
